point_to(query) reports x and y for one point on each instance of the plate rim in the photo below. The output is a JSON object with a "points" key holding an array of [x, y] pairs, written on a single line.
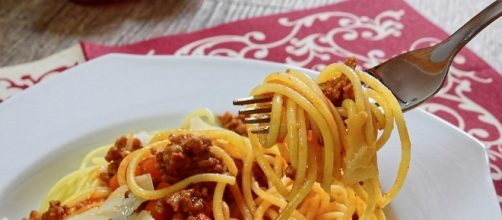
{"points": [[143, 57], [11, 102]]}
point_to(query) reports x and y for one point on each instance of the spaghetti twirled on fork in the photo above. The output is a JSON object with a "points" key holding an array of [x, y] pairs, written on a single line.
{"points": [[318, 159]]}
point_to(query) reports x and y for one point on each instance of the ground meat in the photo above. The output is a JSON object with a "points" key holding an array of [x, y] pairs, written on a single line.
{"points": [[117, 153], [187, 155], [194, 202], [258, 173], [290, 172], [337, 90], [350, 62], [200, 216], [340, 88], [56, 211], [234, 123]]}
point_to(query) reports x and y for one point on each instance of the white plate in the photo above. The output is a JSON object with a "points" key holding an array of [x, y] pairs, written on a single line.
{"points": [[45, 131]]}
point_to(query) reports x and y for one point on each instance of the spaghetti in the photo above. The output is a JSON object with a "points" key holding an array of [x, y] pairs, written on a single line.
{"points": [[317, 161]]}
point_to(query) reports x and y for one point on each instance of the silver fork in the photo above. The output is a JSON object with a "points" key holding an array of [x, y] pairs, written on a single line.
{"points": [[264, 108], [413, 77]]}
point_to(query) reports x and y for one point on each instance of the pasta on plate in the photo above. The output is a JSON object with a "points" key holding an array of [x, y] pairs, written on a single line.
{"points": [[318, 159]]}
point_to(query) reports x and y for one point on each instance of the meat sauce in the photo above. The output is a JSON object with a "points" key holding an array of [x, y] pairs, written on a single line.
{"points": [[56, 211], [233, 123], [187, 155], [117, 153], [336, 90]]}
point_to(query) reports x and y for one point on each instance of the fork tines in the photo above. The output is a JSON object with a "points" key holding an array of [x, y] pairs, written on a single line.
{"points": [[264, 108], [261, 130], [252, 100], [262, 119], [256, 110]]}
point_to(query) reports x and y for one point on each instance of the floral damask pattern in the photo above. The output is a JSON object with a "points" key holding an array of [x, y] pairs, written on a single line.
{"points": [[312, 38], [314, 49], [10, 86], [306, 50]]}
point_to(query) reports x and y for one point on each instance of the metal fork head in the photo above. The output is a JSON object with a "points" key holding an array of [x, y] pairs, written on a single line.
{"points": [[415, 76], [259, 114]]}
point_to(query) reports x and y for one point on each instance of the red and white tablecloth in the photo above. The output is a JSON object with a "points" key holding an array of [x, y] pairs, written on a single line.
{"points": [[312, 38]]}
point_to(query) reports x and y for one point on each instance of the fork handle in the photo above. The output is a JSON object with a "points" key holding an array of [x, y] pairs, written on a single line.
{"points": [[448, 48]]}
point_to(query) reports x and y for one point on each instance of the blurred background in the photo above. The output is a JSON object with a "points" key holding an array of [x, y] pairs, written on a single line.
{"points": [[33, 29]]}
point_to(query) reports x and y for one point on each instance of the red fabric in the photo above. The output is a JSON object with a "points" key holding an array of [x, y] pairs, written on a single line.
{"points": [[311, 38], [372, 31]]}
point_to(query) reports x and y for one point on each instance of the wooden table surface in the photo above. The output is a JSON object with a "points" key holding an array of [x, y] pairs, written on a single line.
{"points": [[33, 29]]}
